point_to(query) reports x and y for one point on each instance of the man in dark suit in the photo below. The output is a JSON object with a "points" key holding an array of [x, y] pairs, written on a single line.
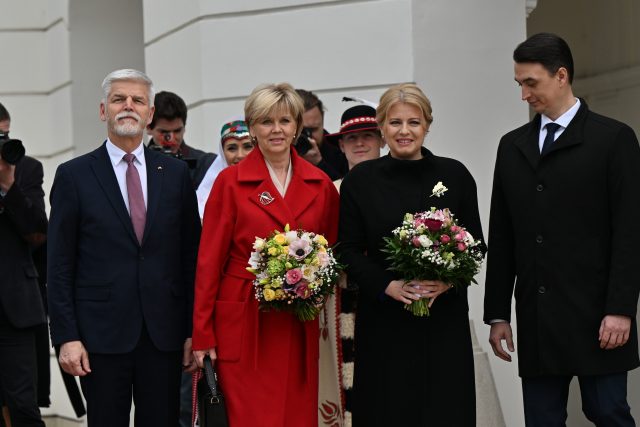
{"points": [[23, 226], [564, 226], [124, 231]]}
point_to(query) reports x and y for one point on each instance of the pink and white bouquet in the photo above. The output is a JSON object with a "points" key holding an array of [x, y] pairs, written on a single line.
{"points": [[433, 246], [295, 271]]}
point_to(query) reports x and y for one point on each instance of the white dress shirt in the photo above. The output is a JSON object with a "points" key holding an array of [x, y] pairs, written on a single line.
{"points": [[116, 155], [563, 121]]}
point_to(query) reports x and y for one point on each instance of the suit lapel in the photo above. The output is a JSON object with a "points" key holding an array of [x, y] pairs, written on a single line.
{"points": [[528, 143], [276, 208], [300, 195], [103, 169], [572, 135], [155, 174]]}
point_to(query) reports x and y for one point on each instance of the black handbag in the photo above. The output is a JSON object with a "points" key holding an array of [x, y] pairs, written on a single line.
{"points": [[211, 409]]}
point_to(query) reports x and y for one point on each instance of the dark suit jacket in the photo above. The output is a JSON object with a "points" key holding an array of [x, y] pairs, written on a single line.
{"points": [[102, 284], [566, 227], [202, 166], [22, 214]]}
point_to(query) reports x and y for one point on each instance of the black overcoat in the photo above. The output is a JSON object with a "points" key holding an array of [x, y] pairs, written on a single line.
{"points": [[409, 371], [22, 214], [565, 227]]}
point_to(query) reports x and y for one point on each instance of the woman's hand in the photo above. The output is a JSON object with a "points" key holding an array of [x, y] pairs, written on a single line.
{"points": [[432, 289], [199, 356], [412, 290], [403, 291]]}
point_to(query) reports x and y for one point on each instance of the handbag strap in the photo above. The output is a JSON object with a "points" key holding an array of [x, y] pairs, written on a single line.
{"points": [[210, 375]]}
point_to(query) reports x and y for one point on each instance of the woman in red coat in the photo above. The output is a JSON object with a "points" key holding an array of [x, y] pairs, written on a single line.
{"points": [[267, 361]]}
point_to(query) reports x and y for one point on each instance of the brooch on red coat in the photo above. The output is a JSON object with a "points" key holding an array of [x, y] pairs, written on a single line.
{"points": [[265, 198]]}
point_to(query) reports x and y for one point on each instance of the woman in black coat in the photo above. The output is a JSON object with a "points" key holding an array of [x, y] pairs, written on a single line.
{"points": [[409, 371]]}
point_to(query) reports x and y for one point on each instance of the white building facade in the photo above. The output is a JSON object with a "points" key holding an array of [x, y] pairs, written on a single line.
{"points": [[214, 52]]}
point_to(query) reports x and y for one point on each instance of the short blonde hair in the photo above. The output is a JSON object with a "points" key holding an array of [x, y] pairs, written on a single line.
{"points": [[408, 93], [265, 99]]}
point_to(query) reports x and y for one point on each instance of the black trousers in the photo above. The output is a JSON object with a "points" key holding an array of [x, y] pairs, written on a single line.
{"points": [[604, 400], [150, 376], [19, 374]]}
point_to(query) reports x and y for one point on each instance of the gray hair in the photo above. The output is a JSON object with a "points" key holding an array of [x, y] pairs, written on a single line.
{"points": [[127, 74]]}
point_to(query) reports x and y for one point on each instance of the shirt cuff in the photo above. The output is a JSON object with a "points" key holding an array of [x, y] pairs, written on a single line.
{"points": [[492, 321]]}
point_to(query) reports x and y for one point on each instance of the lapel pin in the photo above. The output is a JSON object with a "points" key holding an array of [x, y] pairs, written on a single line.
{"points": [[265, 198], [159, 168]]}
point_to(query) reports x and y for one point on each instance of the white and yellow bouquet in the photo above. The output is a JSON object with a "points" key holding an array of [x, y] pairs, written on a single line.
{"points": [[295, 271]]}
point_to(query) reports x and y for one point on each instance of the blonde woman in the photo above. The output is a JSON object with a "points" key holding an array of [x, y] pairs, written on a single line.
{"points": [[267, 361], [409, 371]]}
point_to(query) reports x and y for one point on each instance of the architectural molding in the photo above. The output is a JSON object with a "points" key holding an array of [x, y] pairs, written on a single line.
{"points": [[33, 29], [38, 92], [530, 5], [252, 12], [319, 92], [608, 83]]}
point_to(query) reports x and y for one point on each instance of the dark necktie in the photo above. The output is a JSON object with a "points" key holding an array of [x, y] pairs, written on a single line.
{"points": [[137, 210], [552, 128]]}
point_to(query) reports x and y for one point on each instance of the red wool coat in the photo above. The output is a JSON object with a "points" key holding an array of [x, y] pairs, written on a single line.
{"points": [[267, 361]]}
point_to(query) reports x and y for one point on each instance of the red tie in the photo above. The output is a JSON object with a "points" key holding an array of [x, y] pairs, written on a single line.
{"points": [[137, 210]]}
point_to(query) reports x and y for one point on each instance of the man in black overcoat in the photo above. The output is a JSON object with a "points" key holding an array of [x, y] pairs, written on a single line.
{"points": [[564, 231], [23, 226]]}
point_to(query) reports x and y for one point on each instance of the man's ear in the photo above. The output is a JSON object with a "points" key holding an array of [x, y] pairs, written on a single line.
{"points": [[103, 113], [562, 75]]}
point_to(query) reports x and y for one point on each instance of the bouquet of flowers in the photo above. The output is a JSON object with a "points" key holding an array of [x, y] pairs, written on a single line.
{"points": [[295, 271], [432, 245]]}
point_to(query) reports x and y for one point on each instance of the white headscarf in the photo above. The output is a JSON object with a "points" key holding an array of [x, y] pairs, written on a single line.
{"points": [[216, 167]]}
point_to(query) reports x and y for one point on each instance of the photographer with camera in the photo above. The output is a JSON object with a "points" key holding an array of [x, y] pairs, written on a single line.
{"points": [[23, 226], [167, 132], [311, 144]]}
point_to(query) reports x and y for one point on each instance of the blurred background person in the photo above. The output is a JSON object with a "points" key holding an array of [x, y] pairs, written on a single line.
{"points": [[23, 227], [359, 139], [167, 129], [235, 145], [267, 360], [423, 365], [327, 157]]}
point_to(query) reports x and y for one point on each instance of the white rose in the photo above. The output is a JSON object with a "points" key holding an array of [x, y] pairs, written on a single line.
{"points": [[425, 242]]}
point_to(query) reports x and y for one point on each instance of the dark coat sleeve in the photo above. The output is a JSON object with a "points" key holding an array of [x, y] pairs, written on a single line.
{"points": [[24, 202], [501, 263], [61, 255], [624, 222], [190, 240]]}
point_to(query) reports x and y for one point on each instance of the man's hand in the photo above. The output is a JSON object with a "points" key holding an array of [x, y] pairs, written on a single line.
{"points": [[501, 331], [313, 155], [188, 361], [7, 175], [74, 359], [199, 356], [614, 331]]}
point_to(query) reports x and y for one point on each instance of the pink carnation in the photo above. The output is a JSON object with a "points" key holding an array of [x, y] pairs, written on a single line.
{"points": [[445, 238], [460, 236], [293, 276], [416, 241], [461, 247]]}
